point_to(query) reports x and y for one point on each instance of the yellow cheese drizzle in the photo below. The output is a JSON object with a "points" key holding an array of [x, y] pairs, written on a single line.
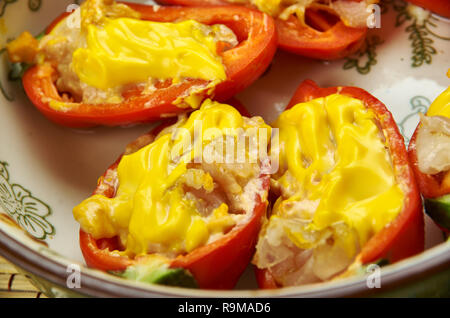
{"points": [[126, 50], [150, 207], [334, 150], [441, 105]]}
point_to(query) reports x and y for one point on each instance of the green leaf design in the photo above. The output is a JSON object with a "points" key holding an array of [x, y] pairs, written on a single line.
{"points": [[429, 24], [4, 4], [401, 18], [34, 5], [422, 45], [420, 33], [29, 212], [367, 53], [5, 94], [418, 104]]}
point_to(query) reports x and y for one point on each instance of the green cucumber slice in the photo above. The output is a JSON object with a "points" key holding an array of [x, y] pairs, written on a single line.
{"points": [[162, 275], [439, 210]]}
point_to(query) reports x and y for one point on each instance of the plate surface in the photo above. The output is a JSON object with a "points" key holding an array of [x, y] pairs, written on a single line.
{"points": [[46, 169]]}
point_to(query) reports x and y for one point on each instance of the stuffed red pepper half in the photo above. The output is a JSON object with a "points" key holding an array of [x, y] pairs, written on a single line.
{"points": [[320, 29], [429, 153], [184, 204], [345, 194], [111, 63]]}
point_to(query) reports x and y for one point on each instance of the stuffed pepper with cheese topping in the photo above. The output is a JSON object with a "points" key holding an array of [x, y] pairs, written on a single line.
{"points": [[429, 153], [345, 193], [184, 204], [321, 29], [111, 63]]}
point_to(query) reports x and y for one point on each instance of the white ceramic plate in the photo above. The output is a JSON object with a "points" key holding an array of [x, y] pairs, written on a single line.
{"points": [[46, 169]]}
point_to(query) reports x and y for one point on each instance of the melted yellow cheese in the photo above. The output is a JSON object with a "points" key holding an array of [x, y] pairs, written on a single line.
{"points": [[150, 211], [271, 7], [126, 50], [441, 105], [333, 159]]}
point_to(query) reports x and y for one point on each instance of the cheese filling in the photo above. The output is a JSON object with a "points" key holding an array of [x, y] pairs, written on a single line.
{"points": [[433, 137], [101, 50], [171, 198], [336, 188]]}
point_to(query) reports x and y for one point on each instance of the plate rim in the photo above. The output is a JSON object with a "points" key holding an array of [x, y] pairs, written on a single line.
{"points": [[433, 261]]}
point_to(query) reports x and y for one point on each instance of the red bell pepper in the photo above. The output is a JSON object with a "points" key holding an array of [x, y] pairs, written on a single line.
{"points": [[441, 7], [243, 63], [404, 236], [434, 189], [323, 38], [217, 265]]}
